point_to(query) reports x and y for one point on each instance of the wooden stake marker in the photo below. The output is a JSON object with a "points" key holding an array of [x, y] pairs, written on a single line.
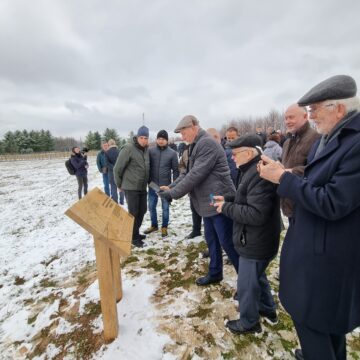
{"points": [[112, 228]]}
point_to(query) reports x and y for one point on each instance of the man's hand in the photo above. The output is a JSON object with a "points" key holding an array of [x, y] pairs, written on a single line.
{"points": [[165, 195], [270, 170], [218, 203], [164, 188]]}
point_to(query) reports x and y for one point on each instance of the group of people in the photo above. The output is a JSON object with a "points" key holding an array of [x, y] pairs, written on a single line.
{"points": [[239, 191], [130, 169]]}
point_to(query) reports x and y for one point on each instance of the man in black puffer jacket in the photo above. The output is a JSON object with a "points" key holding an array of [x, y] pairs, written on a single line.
{"points": [[164, 168], [255, 212]]}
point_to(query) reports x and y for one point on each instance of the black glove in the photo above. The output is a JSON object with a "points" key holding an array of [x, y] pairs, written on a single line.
{"points": [[165, 195]]}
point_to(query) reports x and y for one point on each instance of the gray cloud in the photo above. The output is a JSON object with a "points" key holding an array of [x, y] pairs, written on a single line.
{"points": [[79, 66]]}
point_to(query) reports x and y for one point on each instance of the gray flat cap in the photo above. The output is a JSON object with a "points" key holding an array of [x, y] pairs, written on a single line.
{"points": [[250, 140], [185, 122], [335, 88]]}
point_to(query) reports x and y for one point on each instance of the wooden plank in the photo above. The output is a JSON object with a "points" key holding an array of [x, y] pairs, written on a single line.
{"points": [[115, 258], [105, 219], [107, 290]]}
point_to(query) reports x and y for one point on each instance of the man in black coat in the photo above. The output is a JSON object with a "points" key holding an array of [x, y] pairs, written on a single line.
{"points": [[255, 212], [164, 168], [320, 259]]}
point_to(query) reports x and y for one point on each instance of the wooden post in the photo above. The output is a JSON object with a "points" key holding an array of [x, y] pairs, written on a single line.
{"points": [[107, 290], [112, 228], [116, 271]]}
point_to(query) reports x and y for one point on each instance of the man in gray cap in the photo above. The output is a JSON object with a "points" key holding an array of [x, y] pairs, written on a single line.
{"points": [[319, 265], [207, 174]]}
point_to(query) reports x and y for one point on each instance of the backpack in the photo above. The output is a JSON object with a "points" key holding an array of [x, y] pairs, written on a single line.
{"points": [[69, 166]]}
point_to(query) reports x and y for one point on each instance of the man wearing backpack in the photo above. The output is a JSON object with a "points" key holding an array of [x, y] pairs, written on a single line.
{"points": [[80, 164]]}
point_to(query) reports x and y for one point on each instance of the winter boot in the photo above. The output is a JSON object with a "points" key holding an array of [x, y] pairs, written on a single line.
{"points": [[151, 229], [164, 232]]}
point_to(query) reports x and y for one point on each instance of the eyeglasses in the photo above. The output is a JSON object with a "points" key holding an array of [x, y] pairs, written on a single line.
{"points": [[314, 108]]}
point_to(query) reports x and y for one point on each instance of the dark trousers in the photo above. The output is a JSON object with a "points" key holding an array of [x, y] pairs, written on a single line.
{"points": [[137, 206], [218, 236], [253, 289], [320, 346], [82, 183], [196, 219]]}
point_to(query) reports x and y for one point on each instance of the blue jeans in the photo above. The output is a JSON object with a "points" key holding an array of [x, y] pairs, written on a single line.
{"points": [[153, 200], [114, 189], [253, 289], [106, 184], [218, 236]]}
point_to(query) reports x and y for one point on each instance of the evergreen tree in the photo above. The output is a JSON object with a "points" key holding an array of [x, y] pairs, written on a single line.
{"points": [[35, 140], [111, 134], [49, 141], [91, 141], [97, 140], [10, 144]]}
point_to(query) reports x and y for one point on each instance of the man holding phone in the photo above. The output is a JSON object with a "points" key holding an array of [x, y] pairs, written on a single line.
{"points": [[164, 167]]}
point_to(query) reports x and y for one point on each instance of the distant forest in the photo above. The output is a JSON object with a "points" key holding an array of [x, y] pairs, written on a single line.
{"points": [[26, 142], [39, 141]]}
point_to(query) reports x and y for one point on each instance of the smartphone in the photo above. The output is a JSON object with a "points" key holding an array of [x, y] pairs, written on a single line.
{"points": [[212, 200]]}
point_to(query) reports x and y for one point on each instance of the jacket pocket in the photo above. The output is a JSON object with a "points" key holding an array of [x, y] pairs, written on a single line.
{"points": [[320, 237]]}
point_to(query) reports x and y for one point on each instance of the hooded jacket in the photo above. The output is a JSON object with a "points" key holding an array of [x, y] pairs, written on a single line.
{"points": [[131, 171]]}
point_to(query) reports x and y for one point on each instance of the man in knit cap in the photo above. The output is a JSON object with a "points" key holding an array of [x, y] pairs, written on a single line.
{"points": [[319, 265], [131, 173], [164, 168]]}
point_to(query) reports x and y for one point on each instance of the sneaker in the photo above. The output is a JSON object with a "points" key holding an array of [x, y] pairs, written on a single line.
{"points": [[164, 232], [151, 229], [235, 327], [270, 317]]}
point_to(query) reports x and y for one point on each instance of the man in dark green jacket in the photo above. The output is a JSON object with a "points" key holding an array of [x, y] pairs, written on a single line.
{"points": [[131, 173]]}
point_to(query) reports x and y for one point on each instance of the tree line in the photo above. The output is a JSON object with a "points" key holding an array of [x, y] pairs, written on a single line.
{"points": [[38, 141], [248, 124], [24, 141]]}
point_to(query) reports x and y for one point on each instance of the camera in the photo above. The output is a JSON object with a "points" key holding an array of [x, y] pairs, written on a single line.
{"points": [[84, 150]]}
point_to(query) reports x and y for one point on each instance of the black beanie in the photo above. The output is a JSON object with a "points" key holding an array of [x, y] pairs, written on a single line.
{"points": [[163, 134]]}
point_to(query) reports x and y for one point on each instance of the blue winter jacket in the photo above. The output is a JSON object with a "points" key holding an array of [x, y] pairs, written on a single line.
{"points": [[78, 161]]}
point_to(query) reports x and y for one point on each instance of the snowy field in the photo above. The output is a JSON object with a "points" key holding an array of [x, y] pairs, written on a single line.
{"points": [[49, 298]]}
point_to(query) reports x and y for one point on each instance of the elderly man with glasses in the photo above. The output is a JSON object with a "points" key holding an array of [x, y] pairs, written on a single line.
{"points": [[320, 260]]}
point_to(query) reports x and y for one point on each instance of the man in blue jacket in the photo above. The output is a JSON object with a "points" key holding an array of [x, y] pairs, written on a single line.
{"points": [[101, 165], [164, 168], [320, 260]]}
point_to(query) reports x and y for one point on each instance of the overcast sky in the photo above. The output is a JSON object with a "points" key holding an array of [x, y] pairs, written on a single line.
{"points": [[71, 66]]}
